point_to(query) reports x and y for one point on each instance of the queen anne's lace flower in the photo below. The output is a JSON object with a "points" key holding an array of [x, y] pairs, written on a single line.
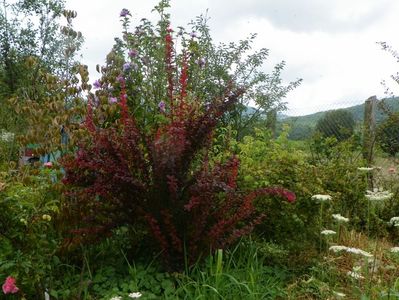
{"points": [[338, 248], [394, 221], [135, 295], [321, 198], [350, 250], [378, 195], [355, 275], [365, 169], [395, 250], [338, 294], [328, 232], [340, 218], [358, 251]]}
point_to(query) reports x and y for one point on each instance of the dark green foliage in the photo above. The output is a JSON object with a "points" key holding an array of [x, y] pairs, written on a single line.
{"points": [[28, 240], [336, 123], [388, 135]]}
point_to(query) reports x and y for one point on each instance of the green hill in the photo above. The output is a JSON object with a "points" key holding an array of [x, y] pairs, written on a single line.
{"points": [[303, 126]]}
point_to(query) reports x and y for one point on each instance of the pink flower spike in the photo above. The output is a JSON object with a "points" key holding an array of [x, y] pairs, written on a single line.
{"points": [[48, 164], [9, 286]]}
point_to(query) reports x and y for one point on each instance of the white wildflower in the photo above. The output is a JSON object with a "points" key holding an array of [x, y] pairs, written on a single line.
{"points": [[394, 221], [378, 194], [6, 136], [395, 250], [359, 252], [116, 298], [338, 294], [328, 232], [337, 248], [135, 295], [340, 218], [355, 275], [321, 198], [350, 250], [365, 169]]}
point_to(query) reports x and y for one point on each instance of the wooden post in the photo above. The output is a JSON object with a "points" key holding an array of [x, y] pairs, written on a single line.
{"points": [[369, 129]]}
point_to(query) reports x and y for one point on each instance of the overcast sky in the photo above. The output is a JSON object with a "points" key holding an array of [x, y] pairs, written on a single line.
{"points": [[330, 44]]}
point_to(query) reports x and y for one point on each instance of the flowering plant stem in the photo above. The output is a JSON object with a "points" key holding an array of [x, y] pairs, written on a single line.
{"points": [[339, 233], [368, 218]]}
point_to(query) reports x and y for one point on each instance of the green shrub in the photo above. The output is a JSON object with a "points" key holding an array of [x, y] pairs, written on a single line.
{"points": [[388, 135], [264, 162], [28, 243]]}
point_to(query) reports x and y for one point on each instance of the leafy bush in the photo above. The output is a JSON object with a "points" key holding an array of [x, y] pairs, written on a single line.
{"points": [[388, 134], [265, 162], [129, 169], [123, 175], [28, 240]]}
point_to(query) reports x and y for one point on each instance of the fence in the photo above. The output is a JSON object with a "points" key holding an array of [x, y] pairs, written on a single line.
{"points": [[363, 119]]}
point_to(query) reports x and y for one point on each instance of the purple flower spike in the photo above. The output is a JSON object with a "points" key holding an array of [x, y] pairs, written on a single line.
{"points": [[124, 12], [193, 34], [97, 84], [162, 106], [126, 67], [120, 79], [112, 100], [133, 53], [201, 62]]}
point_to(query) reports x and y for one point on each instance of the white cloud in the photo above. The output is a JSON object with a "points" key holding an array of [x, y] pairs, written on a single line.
{"points": [[330, 44]]}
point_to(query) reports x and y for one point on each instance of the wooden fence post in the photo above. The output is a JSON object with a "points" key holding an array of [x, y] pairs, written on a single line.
{"points": [[369, 129]]}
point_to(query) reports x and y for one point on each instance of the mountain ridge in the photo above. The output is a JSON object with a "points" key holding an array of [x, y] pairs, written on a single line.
{"points": [[303, 126]]}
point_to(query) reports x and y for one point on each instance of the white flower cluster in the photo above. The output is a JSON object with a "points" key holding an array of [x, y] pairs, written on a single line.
{"points": [[394, 221], [338, 294], [350, 250], [338, 248], [378, 195], [355, 275], [321, 198], [395, 249], [134, 295], [365, 169], [328, 232], [359, 252], [340, 218], [6, 136]]}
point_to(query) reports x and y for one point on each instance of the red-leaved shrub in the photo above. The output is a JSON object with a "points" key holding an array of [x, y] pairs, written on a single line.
{"points": [[123, 174]]}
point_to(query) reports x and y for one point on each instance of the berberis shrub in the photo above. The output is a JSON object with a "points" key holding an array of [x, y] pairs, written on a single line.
{"points": [[161, 175], [122, 174]]}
